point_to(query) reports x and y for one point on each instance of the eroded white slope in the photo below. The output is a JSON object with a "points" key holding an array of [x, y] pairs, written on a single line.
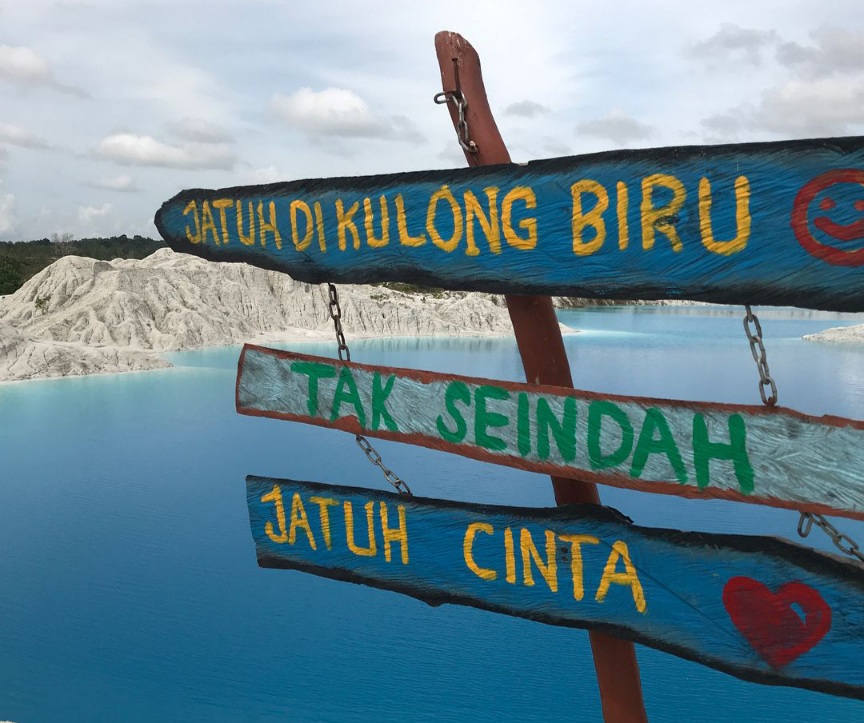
{"points": [[81, 316]]}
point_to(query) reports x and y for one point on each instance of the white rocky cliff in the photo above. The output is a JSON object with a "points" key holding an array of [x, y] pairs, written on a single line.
{"points": [[840, 335], [82, 316]]}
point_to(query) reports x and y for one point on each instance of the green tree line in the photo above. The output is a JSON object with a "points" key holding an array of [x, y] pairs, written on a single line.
{"points": [[19, 260]]}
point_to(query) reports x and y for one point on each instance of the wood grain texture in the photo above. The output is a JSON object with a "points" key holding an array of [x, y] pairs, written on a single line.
{"points": [[763, 223], [536, 329], [769, 456], [758, 608]]}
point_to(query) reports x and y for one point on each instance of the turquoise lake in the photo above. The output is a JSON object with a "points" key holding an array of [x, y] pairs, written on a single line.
{"points": [[129, 589]]}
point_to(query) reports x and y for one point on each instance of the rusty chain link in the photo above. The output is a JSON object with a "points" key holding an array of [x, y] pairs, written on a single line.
{"points": [[336, 315], [375, 458], [841, 541], [345, 355], [458, 98], [754, 335]]}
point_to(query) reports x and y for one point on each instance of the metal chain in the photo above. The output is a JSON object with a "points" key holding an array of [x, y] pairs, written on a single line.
{"points": [[345, 355], [805, 522], [336, 315], [843, 542], [458, 97], [375, 458], [757, 348]]}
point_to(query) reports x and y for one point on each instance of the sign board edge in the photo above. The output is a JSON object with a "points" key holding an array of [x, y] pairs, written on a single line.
{"points": [[438, 598]]}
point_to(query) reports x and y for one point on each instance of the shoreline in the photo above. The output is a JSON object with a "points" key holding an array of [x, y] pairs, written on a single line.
{"points": [[82, 317], [296, 337], [836, 336]]}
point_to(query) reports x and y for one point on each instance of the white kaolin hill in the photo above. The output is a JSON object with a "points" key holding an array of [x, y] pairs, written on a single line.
{"points": [[82, 316], [840, 335]]}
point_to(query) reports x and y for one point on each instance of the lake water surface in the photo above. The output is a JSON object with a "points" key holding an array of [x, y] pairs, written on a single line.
{"points": [[129, 588]]}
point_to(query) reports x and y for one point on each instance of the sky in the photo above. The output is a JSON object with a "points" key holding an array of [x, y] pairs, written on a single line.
{"points": [[110, 107]]}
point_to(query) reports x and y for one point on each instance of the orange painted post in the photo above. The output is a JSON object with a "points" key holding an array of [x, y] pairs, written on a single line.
{"points": [[543, 357]]}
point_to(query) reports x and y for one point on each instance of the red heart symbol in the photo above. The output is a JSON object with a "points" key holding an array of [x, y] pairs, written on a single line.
{"points": [[770, 624]]}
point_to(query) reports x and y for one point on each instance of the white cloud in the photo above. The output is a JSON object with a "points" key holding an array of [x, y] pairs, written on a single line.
{"points": [[179, 88], [330, 112], [807, 90], [732, 42], [177, 103], [823, 107], [199, 130], [135, 150], [452, 154], [86, 214], [796, 109], [340, 113], [26, 66], [124, 184], [616, 127], [835, 50], [722, 127], [17, 136], [260, 176], [555, 147], [526, 109]]}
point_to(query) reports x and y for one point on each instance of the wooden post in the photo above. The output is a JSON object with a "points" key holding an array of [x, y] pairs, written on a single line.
{"points": [[544, 359]]}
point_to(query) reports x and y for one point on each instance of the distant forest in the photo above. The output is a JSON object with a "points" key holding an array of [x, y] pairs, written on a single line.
{"points": [[19, 260]]}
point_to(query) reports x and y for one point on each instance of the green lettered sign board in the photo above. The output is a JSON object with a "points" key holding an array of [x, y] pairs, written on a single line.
{"points": [[774, 457]]}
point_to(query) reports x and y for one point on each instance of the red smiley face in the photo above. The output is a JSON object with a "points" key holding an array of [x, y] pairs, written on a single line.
{"points": [[836, 234]]}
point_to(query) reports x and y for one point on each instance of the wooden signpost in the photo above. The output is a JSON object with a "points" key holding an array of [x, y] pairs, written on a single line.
{"points": [[769, 456], [763, 223], [541, 347], [755, 607]]}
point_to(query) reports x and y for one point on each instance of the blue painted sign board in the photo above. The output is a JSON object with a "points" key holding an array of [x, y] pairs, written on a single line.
{"points": [[761, 223], [758, 608], [770, 456]]}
